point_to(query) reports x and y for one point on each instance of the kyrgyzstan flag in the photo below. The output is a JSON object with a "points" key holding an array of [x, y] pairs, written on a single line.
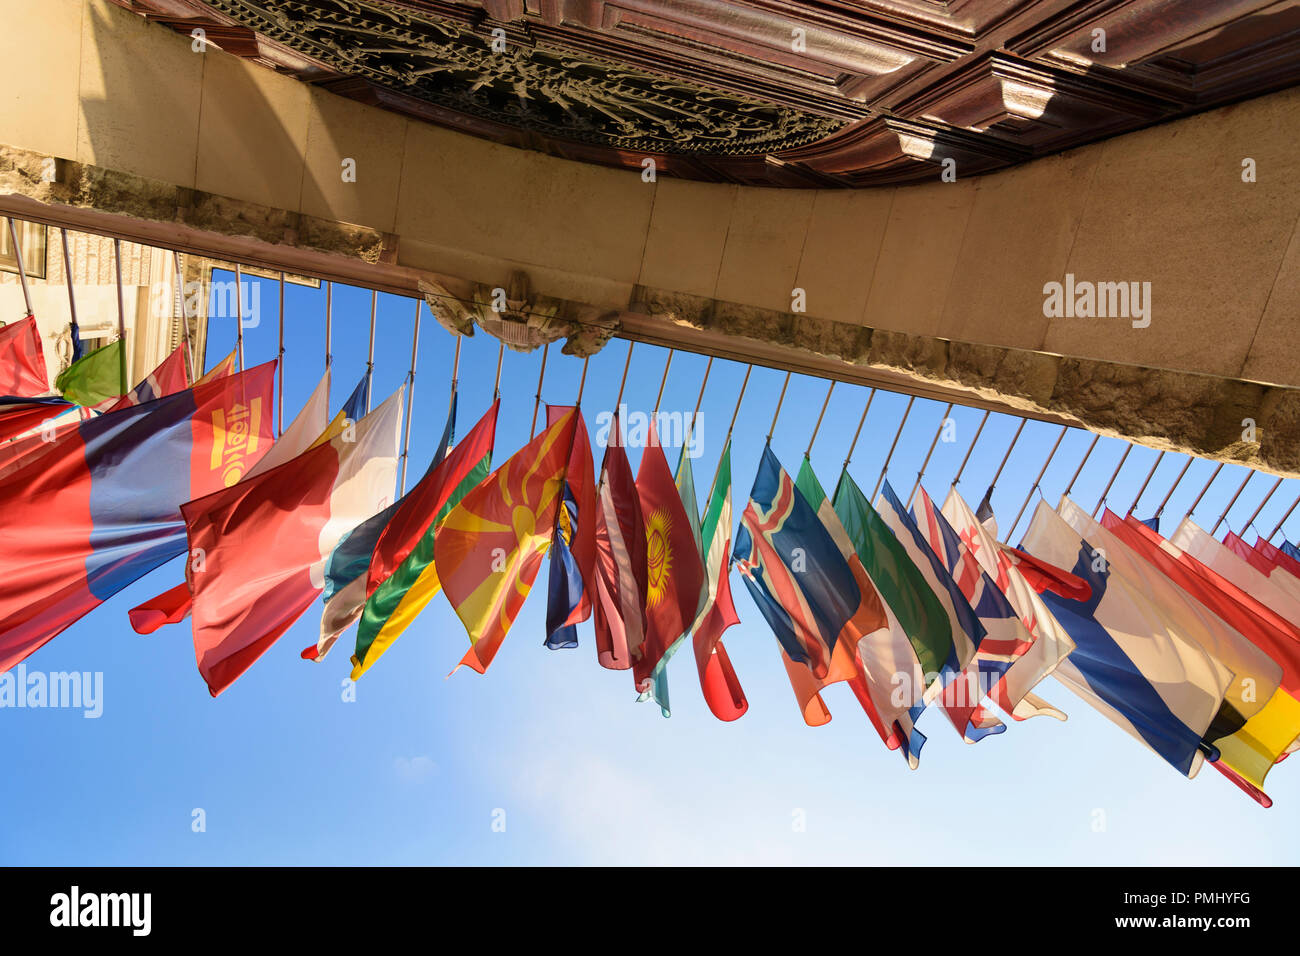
{"points": [[22, 363], [258, 550], [618, 581], [101, 508], [674, 571]]}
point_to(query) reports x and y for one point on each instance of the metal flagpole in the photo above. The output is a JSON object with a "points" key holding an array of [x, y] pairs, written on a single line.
{"points": [[121, 315], [329, 328], [1037, 481], [1172, 488], [935, 441], [370, 354], [280, 357], [978, 431], [496, 386], [455, 373], [776, 414], [1086, 455], [1278, 526], [410, 392], [699, 400], [22, 270], [885, 467], [1217, 469], [180, 299], [582, 382], [1102, 500], [744, 384], [1276, 485], [871, 394], [816, 428], [537, 400], [623, 381], [663, 381], [239, 317], [1250, 473], [72, 298], [1142, 490]]}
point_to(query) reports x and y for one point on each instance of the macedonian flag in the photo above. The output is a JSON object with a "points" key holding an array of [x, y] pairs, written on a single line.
{"points": [[490, 546]]}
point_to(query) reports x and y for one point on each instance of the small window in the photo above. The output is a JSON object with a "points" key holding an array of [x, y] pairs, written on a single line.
{"points": [[33, 236]]}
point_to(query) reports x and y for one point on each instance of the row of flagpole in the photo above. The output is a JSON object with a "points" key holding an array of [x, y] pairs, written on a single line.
{"points": [[185, 317]]}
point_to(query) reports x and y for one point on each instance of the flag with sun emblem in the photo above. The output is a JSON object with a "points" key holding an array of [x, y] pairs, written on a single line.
{"points": [[674, 570]]}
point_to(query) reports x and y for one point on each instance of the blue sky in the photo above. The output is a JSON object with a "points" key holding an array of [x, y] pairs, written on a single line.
{"points": [[548, 758]]}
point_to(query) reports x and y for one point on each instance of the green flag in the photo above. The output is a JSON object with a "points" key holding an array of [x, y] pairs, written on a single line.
{"points": [[900, 584], [94, 378]]}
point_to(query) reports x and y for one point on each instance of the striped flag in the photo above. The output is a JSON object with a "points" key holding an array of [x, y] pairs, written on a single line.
{"points": [[619, 568], [167, 379], [1197, 542]]}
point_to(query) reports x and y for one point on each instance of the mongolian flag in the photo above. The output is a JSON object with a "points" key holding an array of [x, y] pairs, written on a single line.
{"points": [[261, 545], [674, 570], [402, 577], [94, 379], [101, 507], [1131, 662], [1251, 750], [175, 604], [22, 362], [490, 546], [619, 567], [1050, 644], [167, 379], [718, 680], [573, 548]]}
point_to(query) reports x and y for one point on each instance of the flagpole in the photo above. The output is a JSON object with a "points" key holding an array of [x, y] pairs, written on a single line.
{"points": [[329, 325], [22, 271], [871, 394], [455, 373], [194, 373], [121, 314], [280, 357], [973, 441], [573, 437], [537, 399], [663, 382], [718, 469], [816, 428], [925, 464], [618, 402], [899, 434], [690, 426], [1037, 481], [370, 354], [1250, 473], [75, 330], [1102, 500], [1218, 469], [1172, 488], [1284, 517], [410, 393], [779, 402], [1142, 490], [1276, 485], [239, 316]]}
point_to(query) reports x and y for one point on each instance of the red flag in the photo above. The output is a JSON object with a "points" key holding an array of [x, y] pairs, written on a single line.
{"points": [[167, 379], [22, 363], [580, 476], [1048, 577], [1279, 557], [674, 571], [619, 592]]}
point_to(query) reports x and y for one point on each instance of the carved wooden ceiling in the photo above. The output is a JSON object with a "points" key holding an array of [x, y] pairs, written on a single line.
{"points": [[816, 93]]}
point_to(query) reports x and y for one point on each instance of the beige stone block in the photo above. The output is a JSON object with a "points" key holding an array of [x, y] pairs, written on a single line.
{"points": [[688, 231], [253, 133], [522, 206], [1168, 206], [40, 47], [764, 243], [1018, 237], [844, 238], [1275, 350], [923, 239], [374, 140]]}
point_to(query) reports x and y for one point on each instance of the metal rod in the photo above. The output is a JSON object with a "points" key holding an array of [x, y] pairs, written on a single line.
{"points": [[582, 382], [1005, 458], [1037, 481], [496, 386], [370, 353], [537, 399], [899, 434], [871, 394], [663, 381], [280, 358], [121, 315], [1217, 469], [618, 402], [1278, 526], [816, 428], [74, 329], [455, 373], [1276, 485], [180, 301], [699, 400], [1142, 490], [934, 442], [329, 324], [239, 316], [410, 392], [779, 402], [1177, 481], [1102, 500], [1250, 473], [22, 270], [739, 398], [1086, 455], [973, 441]]}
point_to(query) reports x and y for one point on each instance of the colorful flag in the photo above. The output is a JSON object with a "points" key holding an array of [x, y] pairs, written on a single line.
{"points": [[1194, 540], [101, 507], [175, 604], [718, 680], [167, 379], [1290, 549], [619, 566], [22, 362], [1130, 662], [1050, 644], [264, 542], [94, 379], [1278, 576], [674, 569], [223, 368], [490, 546], [402, 577], [573, 549], [1277, 557]]}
